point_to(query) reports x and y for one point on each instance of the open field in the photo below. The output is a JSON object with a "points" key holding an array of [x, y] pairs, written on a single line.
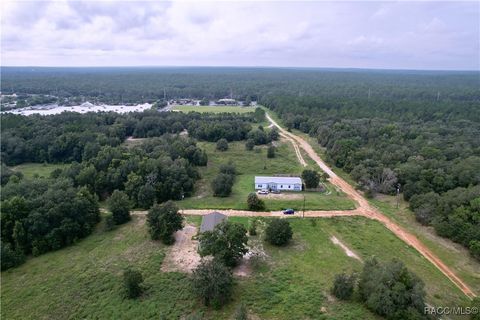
{"points": [[29, 170], [84, 280], [249, 164], [214, 109]]}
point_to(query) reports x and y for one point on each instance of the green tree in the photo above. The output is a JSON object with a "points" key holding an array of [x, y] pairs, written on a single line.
{"points": [[163, 220], [343, 286], [254, 203], [252, 230], [391, 290], [249, 145], [119, 206], [311, 178], [132, 283], [109, 223], [259, 114], [222, 185], [271, 152], [227, 242], [278, 232], [273, 134], [213, 283], [9, 257], [222, 145]]}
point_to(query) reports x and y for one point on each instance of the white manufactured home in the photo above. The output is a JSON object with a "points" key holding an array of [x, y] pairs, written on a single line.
{"points": [[278, 183]]}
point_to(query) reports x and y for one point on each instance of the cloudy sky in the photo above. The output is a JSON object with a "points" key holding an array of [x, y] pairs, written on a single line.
{"points": [[397, 35]]}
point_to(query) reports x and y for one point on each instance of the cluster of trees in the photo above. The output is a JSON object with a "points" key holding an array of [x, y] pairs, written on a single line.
{"points": [[158, 170], [389, 145], [222, 184], [42, 215], [77, 137], [388, 289]]}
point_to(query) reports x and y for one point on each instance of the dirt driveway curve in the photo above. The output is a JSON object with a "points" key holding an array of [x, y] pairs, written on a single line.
{"points": [[365, 209]]}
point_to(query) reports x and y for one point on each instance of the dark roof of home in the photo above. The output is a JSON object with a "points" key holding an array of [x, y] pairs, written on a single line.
{"points": [[210, 220]]}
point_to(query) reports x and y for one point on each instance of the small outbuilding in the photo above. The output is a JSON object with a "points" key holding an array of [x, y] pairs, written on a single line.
{"points": [[278, 183], [209, 221]]}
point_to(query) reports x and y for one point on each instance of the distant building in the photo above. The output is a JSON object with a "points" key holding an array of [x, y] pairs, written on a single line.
{"points": [[278, 183], [227, 102], [209, 221]]}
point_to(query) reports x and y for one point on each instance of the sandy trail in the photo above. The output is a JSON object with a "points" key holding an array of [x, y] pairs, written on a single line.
{"points": [[297, 149], [182, 255], [346, 249], [365, 209]]}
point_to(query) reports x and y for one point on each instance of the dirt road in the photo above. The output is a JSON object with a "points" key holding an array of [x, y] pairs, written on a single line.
{"points": [[296, 148], [365, 209]]}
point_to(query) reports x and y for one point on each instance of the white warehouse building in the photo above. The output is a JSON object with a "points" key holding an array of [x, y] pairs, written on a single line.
{"points": [[278, 183]]}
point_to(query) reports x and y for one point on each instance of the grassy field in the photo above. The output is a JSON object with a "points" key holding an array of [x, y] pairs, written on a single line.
{"points": [[214, 109], [249, 164], [84, 281], [29, 170]]}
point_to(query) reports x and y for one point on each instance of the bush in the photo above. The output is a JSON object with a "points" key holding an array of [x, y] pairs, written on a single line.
{"points": [[391, 290], [132, 283], [109, 223], [254, 203], [213, 283], [249, 145], [10, 258], [252, 230], [343, 286], [163, 220], [241, 312], [278, 232], [222, 185], [271, 152], [119, 206], [222, 145], [311, 178], [228, 168]]}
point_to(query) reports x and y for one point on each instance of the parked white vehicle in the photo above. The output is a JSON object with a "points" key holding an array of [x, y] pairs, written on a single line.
{"points": [[262, 191]]}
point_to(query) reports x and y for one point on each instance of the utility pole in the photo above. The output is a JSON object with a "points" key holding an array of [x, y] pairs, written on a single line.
{"points": [[398, 195], [303, 214]]}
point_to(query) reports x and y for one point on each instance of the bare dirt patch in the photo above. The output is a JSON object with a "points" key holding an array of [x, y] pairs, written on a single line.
{"points": [[284, 196], [183, 255], [348, 252]]}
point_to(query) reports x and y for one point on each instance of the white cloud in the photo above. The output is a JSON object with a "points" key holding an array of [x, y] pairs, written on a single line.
{"points": [[326, 34]]}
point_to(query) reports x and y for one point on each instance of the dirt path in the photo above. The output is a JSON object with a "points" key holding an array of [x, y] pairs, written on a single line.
{"points": [[365, 209], [346, 249], [182, 255], [297, 149]]}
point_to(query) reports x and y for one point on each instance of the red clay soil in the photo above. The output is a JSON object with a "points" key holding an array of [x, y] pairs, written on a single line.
{"points": [[365, 209]]}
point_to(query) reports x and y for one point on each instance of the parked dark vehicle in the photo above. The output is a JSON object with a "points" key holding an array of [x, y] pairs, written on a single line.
{"points": [[288, 211]]}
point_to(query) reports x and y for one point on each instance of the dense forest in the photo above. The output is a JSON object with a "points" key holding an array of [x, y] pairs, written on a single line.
{"points": [[429, 151], [136, 85]]}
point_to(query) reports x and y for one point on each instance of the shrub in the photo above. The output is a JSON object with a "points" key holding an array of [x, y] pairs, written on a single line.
{"points": [[228, 168], [222, 145], [241, 312], [311, 178], [271, 152], [278, 232], [109, 222], [249, 145], [163, 220], [132, 283], [222, 185], [254, 203], [213, 283], [252, 230], [10, 258], [343, 286], [119, 206]]}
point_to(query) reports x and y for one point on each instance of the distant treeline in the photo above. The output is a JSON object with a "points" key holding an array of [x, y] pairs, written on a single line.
{"points": [[135, 85], [428, 150]]}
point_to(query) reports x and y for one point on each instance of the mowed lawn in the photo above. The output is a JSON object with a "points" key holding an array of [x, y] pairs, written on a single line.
{"points": [[29, 170], [248, 165], [84, 281], [214, 109]]}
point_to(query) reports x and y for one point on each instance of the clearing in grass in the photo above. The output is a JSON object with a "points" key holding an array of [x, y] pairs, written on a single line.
{"points": [[214, 109], [30, 170]]}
